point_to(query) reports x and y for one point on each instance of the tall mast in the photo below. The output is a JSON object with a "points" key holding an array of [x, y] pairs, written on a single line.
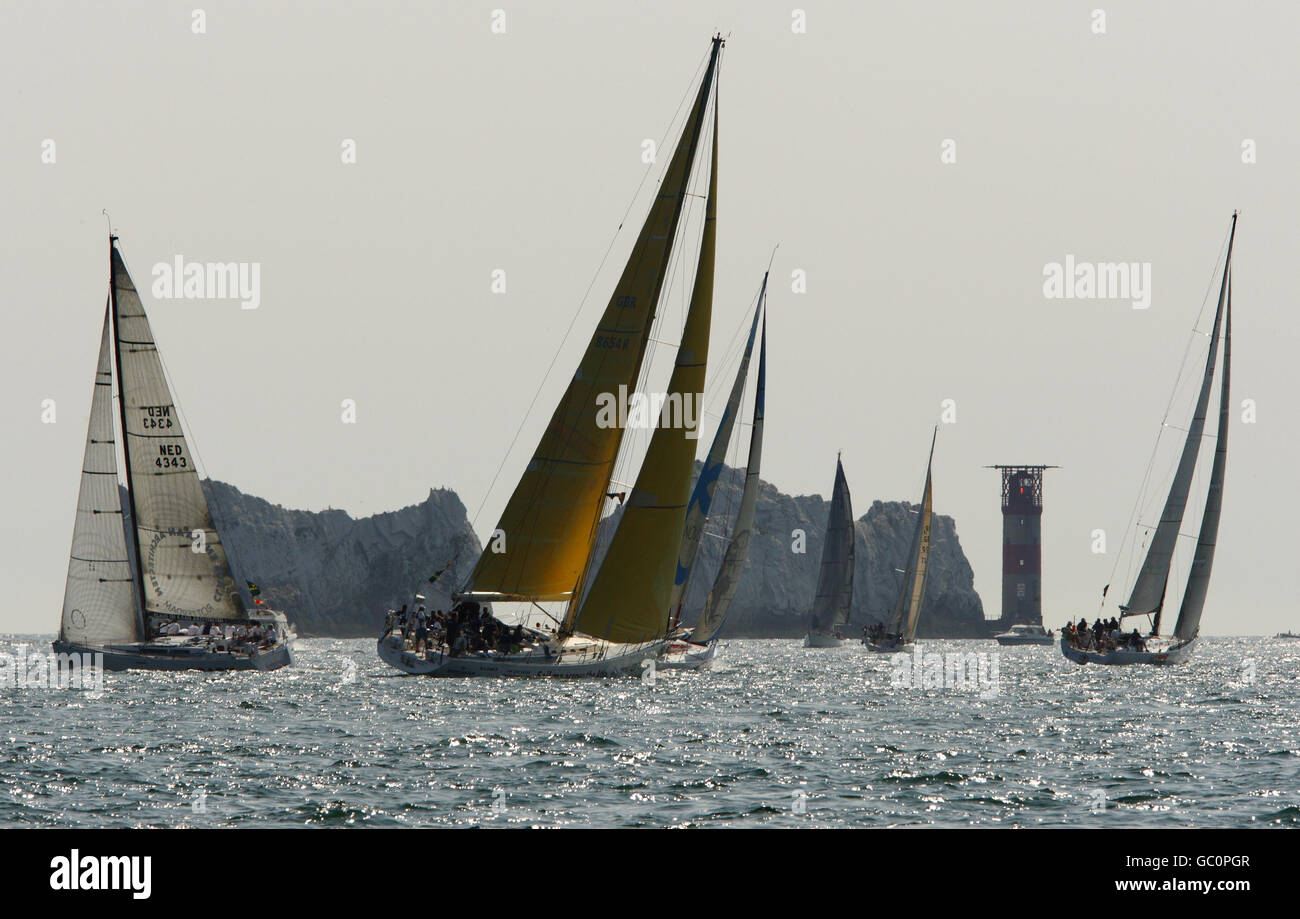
{"points": [[1148, 595], [121, 406], [695, 127]]}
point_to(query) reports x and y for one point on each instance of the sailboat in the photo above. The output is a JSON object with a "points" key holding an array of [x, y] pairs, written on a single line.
{"points": [[1150, 589], [171, 602], [900, 632], [834, 600], [694, 648], [615, 609]]}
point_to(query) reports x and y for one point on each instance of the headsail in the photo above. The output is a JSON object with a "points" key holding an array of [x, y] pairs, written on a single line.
{"points": [[99, 601], [697, 512], [549, 524], [907, 611], [718, 603], [182, 562], [1149, 589], [1198, 582], [629, 597], [834, 598]]}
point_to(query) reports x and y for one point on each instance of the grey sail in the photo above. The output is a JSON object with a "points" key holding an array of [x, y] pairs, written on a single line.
{"points": [[835, 581], [1149, 589], [907, 611], [718, 603], [697, 512], [1198, 581], [183, 564], [99, 601]]}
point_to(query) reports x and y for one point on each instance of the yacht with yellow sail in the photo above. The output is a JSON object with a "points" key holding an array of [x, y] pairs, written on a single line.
{"points": [[607, 614]]}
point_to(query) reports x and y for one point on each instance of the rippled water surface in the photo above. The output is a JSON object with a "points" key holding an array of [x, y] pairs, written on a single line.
{"points": [[773, 735]]}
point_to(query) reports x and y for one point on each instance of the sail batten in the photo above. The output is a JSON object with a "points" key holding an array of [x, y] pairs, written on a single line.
{"points": [[99, 600], [718, 602], [1198, 581], [628, 601], [182, 564], [1150, 586], [543, 541]]}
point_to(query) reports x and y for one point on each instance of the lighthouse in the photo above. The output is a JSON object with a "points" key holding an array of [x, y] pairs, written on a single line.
{"points": [[1022, 545]]}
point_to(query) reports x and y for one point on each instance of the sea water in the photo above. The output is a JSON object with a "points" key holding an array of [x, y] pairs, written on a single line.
{"points": [[774, 734]]}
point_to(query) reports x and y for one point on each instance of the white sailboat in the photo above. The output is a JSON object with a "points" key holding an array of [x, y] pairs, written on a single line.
{"points": [[616, 610], [834, 600], [899, 634], [695, 648], [1147, 598], [177, 606]]}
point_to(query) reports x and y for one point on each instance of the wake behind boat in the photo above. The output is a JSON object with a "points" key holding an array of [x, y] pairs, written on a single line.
{"points": [[900, 633], [1106, 642], [171, 602], [615, 609]]}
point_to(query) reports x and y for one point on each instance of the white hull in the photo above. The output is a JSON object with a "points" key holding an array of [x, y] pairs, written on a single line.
{"points": [[577, 656], [1157, 652], [1025, 639], [682, 655], [822, 640]]}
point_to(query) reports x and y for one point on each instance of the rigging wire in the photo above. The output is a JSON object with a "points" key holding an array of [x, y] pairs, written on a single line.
{"points": [[1135, 515], [650, 168]]}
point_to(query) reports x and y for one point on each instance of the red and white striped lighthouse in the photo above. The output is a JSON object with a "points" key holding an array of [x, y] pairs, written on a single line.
{"points": [[1022, 545]]}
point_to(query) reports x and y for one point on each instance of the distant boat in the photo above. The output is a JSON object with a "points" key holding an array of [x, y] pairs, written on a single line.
{"points": [[695, 648], [1149, 590], [610, 614], [900, 633], [151, 615], [834, 600], [1286, 635], [1026, 634]]}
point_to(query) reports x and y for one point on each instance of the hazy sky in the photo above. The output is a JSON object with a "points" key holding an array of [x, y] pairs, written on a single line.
{"points": [[521, 151]]}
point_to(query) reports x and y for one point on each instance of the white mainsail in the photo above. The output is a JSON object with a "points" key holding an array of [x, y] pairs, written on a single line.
{"points": [[1198, 582], [99, 601], [182, 562], [718, 603], [1148, 595], [834, 598]]}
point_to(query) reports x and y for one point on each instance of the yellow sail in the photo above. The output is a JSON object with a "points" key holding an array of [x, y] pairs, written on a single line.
{"points": [[922, 562], [540, 547], [630, 596]]}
